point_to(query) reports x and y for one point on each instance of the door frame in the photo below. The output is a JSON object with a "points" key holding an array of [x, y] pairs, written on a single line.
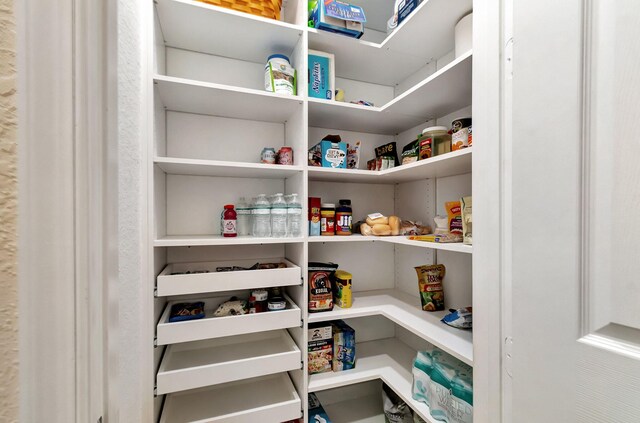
{"points": [[67, 201]]}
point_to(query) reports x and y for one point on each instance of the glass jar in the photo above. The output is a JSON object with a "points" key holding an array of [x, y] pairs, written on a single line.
{"points": [[440, 139]]}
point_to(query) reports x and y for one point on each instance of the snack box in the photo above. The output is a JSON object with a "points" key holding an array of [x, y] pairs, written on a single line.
{"points": [[405, 8], [321, 75], [316, 412], [333, 154], [344, 346], [320, 348], [339, 17]]}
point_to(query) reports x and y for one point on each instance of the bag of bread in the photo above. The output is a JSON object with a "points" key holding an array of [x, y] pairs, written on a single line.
{"points": [[454, 214], [320, 292], [430, 286]]}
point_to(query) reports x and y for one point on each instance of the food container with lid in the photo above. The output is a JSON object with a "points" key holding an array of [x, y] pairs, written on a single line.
{"points": [[439, 137]]}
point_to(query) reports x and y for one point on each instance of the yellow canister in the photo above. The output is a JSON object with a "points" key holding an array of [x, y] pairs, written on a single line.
{"points": [[342, 288]]}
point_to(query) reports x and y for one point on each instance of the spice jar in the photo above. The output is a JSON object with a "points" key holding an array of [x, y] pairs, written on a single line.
{"points": [[328, 219], [261, 296], [343, 218]]}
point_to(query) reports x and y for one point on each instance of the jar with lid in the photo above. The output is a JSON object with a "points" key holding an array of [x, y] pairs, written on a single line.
{"points": [[279, 75], [328, 219], [440, 139], [261, 297], [343, 218]]}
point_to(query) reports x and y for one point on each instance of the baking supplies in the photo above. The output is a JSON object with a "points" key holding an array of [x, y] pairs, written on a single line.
{"points": [[279, 75], [314, 216], [343, 218], [320, 292], [328, 219], [342, 288], [430, 279], [321, 74]]}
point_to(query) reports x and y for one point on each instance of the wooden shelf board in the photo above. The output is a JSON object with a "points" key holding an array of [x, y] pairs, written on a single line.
{"points": [[405, 310]]}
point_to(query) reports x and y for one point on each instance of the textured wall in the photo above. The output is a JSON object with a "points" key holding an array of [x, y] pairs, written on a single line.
{"points": [[8, 229]]}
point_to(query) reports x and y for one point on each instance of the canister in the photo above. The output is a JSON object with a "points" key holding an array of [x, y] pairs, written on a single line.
{"points": [[342, 288]]}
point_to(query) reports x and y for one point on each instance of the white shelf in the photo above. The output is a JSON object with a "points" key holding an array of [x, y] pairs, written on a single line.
{"points": [[367, 409], [450, 164], [197, 26], [443, 92], [389, 360], [197, 283], [263, 399], [405, 310], [198, 364], [177, 166], [203, 240], [426, 35], [216, 327], [186, 95], [457, 247]]}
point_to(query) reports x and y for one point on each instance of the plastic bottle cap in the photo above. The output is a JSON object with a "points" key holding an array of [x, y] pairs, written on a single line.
{"points": [[228, 206], [328, 206], [435, 129], [278, 56]]}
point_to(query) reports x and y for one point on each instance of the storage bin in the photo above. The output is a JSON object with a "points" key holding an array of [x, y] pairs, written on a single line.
{"points": [[265, 8]]}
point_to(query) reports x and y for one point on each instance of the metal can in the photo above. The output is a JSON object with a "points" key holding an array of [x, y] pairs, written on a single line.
{"points": [[268, 155], [285, 156]]}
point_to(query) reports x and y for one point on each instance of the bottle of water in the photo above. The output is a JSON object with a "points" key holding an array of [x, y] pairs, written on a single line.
{"points": [[244, 216], [279, 217], [262, 217], [294, 217]]}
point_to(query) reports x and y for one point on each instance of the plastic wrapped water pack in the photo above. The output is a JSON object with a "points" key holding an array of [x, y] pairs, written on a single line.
{"points": [[445, 384]]}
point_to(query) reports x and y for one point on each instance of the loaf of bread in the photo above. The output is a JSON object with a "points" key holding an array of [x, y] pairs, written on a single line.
{"points": [[384, 220], [381, 230], [365, 230], [394, 223]]}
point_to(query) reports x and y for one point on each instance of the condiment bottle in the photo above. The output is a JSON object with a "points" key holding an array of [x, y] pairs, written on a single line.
{"points": [[261, 300], [343, 218], [229, 221], [328, 219]]}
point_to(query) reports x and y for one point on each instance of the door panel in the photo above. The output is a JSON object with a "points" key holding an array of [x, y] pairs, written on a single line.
{"points": [[575, 196]]}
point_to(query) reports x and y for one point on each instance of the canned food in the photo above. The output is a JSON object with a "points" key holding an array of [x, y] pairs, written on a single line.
{"points": [[461, 134], [268, 155], [285, 156]]}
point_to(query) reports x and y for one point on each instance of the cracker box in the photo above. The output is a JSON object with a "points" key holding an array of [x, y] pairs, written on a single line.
{"points": [[339, 17], [321, 75], [344, 346], [316, 411], [320, 348], [405, 8]]}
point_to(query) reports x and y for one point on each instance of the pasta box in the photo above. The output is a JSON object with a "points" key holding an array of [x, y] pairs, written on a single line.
{"points": [[320, 348], [339, 17]]}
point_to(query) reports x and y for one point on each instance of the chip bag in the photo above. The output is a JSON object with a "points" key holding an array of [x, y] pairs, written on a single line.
{"points": [[430, 286]]}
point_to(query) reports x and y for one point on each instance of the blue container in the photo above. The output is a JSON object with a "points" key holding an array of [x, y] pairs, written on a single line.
{"points": [[339, 17]]}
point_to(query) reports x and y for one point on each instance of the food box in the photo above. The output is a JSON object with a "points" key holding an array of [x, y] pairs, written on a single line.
{"points": [[316, 411], [321, 74], [332, 154], [339, 17], [320, 348], [344, 346], [405, 8]]}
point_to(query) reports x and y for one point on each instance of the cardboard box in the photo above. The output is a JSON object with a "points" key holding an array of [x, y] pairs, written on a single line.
{"points": [[344, 346], [321, 74], [339, 17], [320, 348], [332, 154], [405, 8], [316, 411]]}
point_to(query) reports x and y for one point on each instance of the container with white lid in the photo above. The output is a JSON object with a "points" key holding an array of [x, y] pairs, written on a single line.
{"points": [[279, 75], [440, 139]]}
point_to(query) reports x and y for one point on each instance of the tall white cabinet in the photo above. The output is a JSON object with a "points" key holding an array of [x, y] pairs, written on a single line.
{"points": [[210, 121]]}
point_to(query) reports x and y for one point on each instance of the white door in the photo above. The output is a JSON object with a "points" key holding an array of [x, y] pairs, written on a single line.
{"points": [[575, 212]]}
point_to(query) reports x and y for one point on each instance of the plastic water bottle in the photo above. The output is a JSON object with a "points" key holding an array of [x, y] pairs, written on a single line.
{"points": [[294, 216], [244, 217], [262, 217], [279, 217]]}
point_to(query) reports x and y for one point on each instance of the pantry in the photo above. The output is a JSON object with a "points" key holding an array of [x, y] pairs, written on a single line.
{"points": [[220, 352]]}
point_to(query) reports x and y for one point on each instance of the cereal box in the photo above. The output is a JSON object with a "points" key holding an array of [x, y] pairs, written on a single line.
{"points": [[344, 346]]}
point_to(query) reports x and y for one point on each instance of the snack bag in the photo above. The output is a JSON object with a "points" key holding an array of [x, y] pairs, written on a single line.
{"points": [[353, 155], [430, 286], [454, 214]]}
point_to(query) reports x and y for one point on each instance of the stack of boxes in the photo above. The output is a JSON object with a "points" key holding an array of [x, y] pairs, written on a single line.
{"points": [[332, 347]]}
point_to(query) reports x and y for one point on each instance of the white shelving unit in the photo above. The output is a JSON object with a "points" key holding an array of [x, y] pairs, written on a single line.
{"points": [[211, 119]]}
